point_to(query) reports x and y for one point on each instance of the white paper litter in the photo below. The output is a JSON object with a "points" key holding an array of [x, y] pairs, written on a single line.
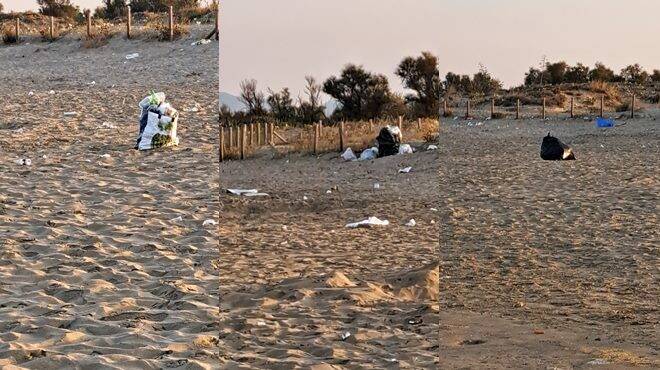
{"points": [[24, 162], [370, 222], [132, 56], [201, 42], [405, 170], [106, 155], [345, 336], [31, 93], [411, 223], [210, 222], [376, 186], [432, 147], [51, 92], [405, 149], [348, 155], [177, 219], [108, 125], [598, 361], [69, 114], [246, 192]]}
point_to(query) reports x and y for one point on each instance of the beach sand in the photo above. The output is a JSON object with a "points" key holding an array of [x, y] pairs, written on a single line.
{"points": [[549, 264], [95, 271], [294, 280]]}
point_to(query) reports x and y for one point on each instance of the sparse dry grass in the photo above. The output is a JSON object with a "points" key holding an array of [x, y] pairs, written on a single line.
{"points": [[357, 135], [100, 36], [9, 35]]}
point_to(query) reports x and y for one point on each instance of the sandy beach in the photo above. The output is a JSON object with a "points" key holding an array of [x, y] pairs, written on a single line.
{"points": [[106, 261], [549, 264], [299, 289]]}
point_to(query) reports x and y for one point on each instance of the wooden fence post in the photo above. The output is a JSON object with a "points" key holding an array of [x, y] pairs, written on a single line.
{"points": [[259, 137], [52, 28], [400, 124], [371, 125], [272, 133], [18, 29], [251, 134], [419, 123], [88, 15], [171, 23], [222, 144], [543, 109], [231, 137], [242, 129], [317, 129], [444, 107], [572, 107], [467, 110], [518, 109], [341, 136], [217, 19], [602, 105], [129, 18], [632, 107]]}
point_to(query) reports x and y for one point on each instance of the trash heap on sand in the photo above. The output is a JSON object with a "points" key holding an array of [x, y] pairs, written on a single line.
{"points": [[158, 123], [388, 143]]}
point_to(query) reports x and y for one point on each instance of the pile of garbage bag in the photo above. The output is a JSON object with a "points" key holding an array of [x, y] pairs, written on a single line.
{"points": [[552, 149], [389, 141], [158, 123]]}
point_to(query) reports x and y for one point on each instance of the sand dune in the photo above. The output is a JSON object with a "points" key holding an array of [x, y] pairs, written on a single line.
{"points": [[96, 270]]}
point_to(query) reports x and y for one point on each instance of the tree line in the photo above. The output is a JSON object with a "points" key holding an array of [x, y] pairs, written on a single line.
{"points": [[483, 83], [360, 94]]}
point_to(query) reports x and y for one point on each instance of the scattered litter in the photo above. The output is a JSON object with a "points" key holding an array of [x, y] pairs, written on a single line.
{"points": [[177, 219], [368, 154], [391, 360], [432, 222], [261, 323], [598, 361], [348, 155], [51, 92], [44, 156], [434, 210], [108, 125], [552, 149], [432, 147], [70, 114], [31, 93], [604, 123], [194, 108], [405, 170], [158, 123], [370, 222], [405, 149], [24, 162], [246, 192], [92, 83], [345, 336], [201, 42], [210, 222], [329, 192], [411, 223], [106, 155], [132, 56], [304, 197], [376, 186], [285, 228]]}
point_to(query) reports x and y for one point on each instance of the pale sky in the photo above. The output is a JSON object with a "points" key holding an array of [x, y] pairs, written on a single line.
{"points": [[278, 42], [23, 5], [509, 36]]}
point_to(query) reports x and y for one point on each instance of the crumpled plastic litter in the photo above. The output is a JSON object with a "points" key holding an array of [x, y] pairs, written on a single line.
{"points": [[370, 222], [348, 155]]}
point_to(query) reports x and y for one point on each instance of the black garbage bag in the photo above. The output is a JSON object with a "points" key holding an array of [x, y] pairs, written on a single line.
{"points": [[389, 140], [552, 149]]}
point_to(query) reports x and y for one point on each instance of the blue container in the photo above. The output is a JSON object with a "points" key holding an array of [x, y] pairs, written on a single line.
{"points": [[603, 122]]}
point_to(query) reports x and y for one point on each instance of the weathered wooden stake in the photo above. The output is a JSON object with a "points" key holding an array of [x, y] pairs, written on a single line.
{"points": [[171, 23], [602, 105], [518, 109], [444, 107], [317, 128], [231, 137], [266, 133], [320, 127], [272, 133], [242, 130], [572, 107], [217, 20], [88, 15], [543, 109], [632, 107], [467, 110], [400, 124], [52, 28], [341, 136], [371, 125], [18, 30], [259, 137], [419, 123], [222, 144], [129, 19]]}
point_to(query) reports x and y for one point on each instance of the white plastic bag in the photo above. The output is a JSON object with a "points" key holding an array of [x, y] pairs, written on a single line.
{"points": [[405, 149], [368, 154], [349, 155]]}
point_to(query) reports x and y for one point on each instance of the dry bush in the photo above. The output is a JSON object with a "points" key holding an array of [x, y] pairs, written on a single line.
{"points": [[158, 23], [499, 115], [9, 35], [610, 91], [101, 35]]}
